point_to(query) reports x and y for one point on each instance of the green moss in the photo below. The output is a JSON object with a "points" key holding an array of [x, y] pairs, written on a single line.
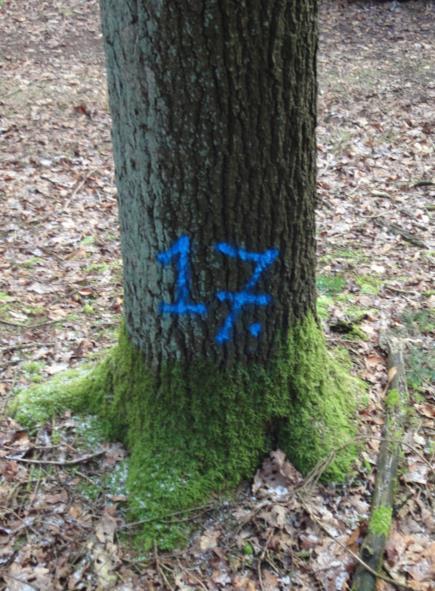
{"points": [[369, 285], [380, 521], [31, 262], [35, 310], [67, 390], [419, 321], [393, 398], [97, 268], [324, 304], [87, 241], [356, 333], [353, 256], [88, 309], [330, 284], [248, 549], [198, 430], [56, 437]]}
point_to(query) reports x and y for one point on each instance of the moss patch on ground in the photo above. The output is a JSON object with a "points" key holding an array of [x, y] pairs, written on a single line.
{"points": [[369, 284], [330, 284], [198, 430]]}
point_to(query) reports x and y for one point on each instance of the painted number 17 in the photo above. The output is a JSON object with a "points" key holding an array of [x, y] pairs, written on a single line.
{"points": [[238, 300]]}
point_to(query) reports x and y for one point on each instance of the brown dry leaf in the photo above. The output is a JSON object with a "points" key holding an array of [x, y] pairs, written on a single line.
{"points": [[104, 564], [395, 546], [115, 452], [276, 476], [52, 499], [276, 516], [417, 472], [9, 470], [209, 539], [28, 578], [106, 527], [244, 584], [270, 581], [427, 410]]}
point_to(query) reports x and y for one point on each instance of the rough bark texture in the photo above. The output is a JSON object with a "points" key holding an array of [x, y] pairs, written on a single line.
{"points": [[213, 105]]}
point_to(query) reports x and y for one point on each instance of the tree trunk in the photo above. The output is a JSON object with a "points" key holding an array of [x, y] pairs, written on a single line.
{"points": [[213, 105], [221, 360]]}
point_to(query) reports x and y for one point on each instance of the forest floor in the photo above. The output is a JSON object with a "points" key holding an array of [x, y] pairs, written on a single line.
{"points": [[62, 524]]}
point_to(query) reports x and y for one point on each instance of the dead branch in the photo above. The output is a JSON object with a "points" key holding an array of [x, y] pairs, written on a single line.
{"points": [[81, 460], [373, 547], [30, 326], [395, 229]]}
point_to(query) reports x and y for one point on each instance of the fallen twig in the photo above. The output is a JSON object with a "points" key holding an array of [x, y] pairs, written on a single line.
{"points": [[21, 346], [395, 229], [201, 508], [191, 575], [29, 326], [160, 571], [23, 584], [78, 187], [423, 183], [80, 460], [261, 558]]}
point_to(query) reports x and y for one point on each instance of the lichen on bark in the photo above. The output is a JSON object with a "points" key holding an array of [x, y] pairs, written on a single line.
{"points": [[200, 429]]}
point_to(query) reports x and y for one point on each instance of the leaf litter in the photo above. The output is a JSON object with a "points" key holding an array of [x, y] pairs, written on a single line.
{"points": [[62, 506]]}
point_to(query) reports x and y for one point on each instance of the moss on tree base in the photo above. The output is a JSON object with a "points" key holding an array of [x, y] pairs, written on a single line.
{"points": [[197, 430]]}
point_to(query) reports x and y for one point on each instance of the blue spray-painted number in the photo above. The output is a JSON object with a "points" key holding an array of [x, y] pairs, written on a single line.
{"points": [[183, 304], [244, 298]]}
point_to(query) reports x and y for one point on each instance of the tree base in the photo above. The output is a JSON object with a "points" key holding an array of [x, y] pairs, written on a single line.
{"points": [[200, 429]]}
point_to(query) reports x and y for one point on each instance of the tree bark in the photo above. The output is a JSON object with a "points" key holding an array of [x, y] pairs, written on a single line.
{"points": [[214, 109]]}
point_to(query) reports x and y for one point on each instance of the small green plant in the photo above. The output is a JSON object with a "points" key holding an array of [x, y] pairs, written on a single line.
{"points": [[96, 268], [90, 490], [87, 241], [88, 309], [324, 304], [31, 262], [393, 398], [56, 437], [342, 139], [33, 370], [5, 303], [73, 317], [34, 310], [248, 549], [420, 368]]}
